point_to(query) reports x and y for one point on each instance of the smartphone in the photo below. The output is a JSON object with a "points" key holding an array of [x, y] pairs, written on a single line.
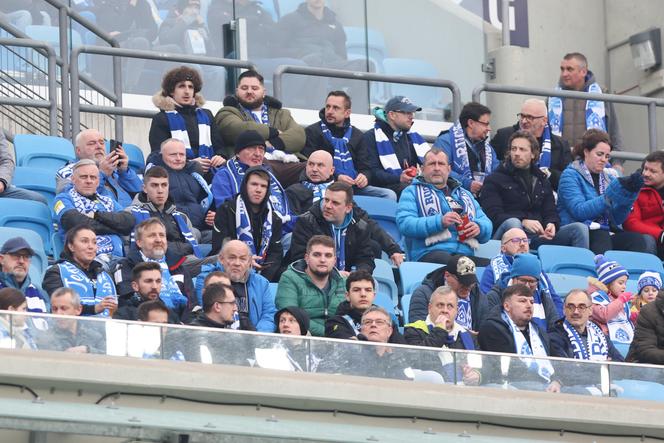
{"points": [[114, 145]]}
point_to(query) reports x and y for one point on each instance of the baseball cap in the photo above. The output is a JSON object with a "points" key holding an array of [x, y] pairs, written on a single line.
{"points": [[463, 269], [401, 103], [16, 244]]}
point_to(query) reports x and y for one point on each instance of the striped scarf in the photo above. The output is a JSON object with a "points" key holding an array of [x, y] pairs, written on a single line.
{"points": [[595, 112], [343, 161], [545, 156], [179, 131], [603, 220], [596, 346], [318, 189], [106, 244], [170, 292], [141, 214], [244, 232], [264, 120], [460, 155], [386, 154]]}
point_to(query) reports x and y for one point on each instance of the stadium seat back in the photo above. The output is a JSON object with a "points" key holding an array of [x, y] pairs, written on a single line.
{"points": [[386, 285], [36, 179], [383, 212], [39, 262], [563, 283], [135, 154], [412, 273], [43, 151], [426, 97], [27, 214], [405, 307], [567, 260], [636, 263], [488, 250]]}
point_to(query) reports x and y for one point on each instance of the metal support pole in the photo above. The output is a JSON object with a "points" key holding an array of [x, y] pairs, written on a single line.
{"points": [[64, 90], [505, 10], [652, 126]]}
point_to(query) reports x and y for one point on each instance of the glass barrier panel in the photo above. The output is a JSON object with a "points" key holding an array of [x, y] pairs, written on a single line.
{"points": [[636, 381]]}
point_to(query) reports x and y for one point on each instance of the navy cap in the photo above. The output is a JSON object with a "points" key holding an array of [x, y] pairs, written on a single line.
{"points": [[401, 103], [14, 245]]}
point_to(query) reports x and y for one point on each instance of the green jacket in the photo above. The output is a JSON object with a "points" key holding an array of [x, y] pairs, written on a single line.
{"points": [[297, 289], [233, 121]]}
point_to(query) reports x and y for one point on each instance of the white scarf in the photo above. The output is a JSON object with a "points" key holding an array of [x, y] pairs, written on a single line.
{"points": [[536, 349]]}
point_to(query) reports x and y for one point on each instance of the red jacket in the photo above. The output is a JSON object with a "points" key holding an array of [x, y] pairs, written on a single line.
{"points": [[647, 216]]}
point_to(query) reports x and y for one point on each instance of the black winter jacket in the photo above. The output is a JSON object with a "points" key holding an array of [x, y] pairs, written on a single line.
{"points": [[648, 343], [403, 149]]}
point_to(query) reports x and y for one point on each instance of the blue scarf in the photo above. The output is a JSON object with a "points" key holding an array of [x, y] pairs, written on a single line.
{"points": [[170, 292], [545, 156], [33, 298], [244, 232], [106, 244], [264, 120], [603, 220], [339, 236], [536, 349], [460, 155], [386, 154], [179, 131], [595, 112], [597, 348], [464, 314], [318, 189], [141, 214], [343, 161], [90, 292]]}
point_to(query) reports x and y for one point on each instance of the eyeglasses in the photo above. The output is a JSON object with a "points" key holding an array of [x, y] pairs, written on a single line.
{"points": [[20, 256], [226, 302], [485, 124], [527, 282], [572, 307], [406, 113], [528, 117], [516, 241], [377, 322]]}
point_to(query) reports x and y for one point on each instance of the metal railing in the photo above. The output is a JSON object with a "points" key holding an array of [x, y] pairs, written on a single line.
{"points": [[279, 72], [118, 110], [650, 102]]}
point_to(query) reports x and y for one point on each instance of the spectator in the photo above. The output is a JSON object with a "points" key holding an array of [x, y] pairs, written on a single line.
{"points": [[335, 135], [81, 205], [291, 354], [460, 275], [570, 118], [219, 307], [255, 302], [153, 311], [71, 334], [313, 283], [526, 270], [14, 332], [590, 193], [250, 217], [647, 213], [335, 218], [648, 286], [250, 152], [510, 330], [554, 152], [394, 150], [610, 301], [514, 242], [7, 167], [187, 188], [155, 201], [518, 195], [647, 346], [251, 109], [151, 246], [116, 179], [182, 116], [77, 269], [468, 148], [216, 277], [185, 26], [146, 283], [292, 320], [438, 217], [15, 258], [314, 180]]}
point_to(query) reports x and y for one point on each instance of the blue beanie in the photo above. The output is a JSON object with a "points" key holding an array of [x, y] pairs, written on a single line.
{"points": [[526, 264], [649, 278], [608, 271]]}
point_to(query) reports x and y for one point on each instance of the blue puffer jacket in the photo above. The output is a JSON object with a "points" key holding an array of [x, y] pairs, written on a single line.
{"points": [[416, 227], [261, 300], [578, 201]]}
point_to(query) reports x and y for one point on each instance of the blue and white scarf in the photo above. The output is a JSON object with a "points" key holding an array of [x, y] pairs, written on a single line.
{"points": [[461, 146], [106, 244], [603, 220], [209, 198], [33, 298], [464, 314], [536, 349], [178, 129], [595, 112], [263, 120], [318, 189], [140, 214], [277, 194], [545, 155], [388, 158], [597, 348], [90, 292], [339, 236], [458, 331], [343, 161], [244, 232], [620, 328], [170, 292], [499, 265]]}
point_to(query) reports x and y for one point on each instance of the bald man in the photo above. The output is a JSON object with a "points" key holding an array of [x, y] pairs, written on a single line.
{"points": [[116, 179], [533, 119], [318, 174], [252, 291]]}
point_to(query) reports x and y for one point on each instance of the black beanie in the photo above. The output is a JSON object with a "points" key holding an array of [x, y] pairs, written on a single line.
{"points": [[248, 138], [300, 315]]}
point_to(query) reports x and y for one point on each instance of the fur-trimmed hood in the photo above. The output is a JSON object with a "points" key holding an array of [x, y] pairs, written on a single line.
{"points": [[166, 103]]}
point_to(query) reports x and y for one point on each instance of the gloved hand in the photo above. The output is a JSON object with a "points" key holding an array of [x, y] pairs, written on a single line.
{"points": [[625, 297], [632, 183]]}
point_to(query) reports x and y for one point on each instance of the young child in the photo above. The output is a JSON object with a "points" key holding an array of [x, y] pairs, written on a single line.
{"points": [[648, 286], [610, 301]]}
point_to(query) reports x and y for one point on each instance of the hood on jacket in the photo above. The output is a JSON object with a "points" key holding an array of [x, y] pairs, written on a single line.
{"points": [[141, 200], [262, 206], [166, 103], [300, 315], [271, 102]]}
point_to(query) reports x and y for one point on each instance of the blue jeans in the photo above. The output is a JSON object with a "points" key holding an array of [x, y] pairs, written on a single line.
{"points": [[573, 234], [375, 191], [23, 194]]}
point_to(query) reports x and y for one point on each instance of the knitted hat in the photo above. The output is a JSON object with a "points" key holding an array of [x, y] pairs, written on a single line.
{"points": [[608, 271], [247, 139], [300, 315], [649, 278], [526, 264]]}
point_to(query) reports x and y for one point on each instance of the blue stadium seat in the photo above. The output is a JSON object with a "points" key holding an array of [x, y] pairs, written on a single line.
{"points": [[623, 348], [636, 263], [43, 151], [423, 96], [567, 260], [384, 276], [51, 34], [384, 301], [405, 307], [563, 283], [135, 154], [383, 211], [39, 262], [641, 390], [489, 249], [412, 273], [58, 244], [27, 214], [36, 179], [273, 289]]}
